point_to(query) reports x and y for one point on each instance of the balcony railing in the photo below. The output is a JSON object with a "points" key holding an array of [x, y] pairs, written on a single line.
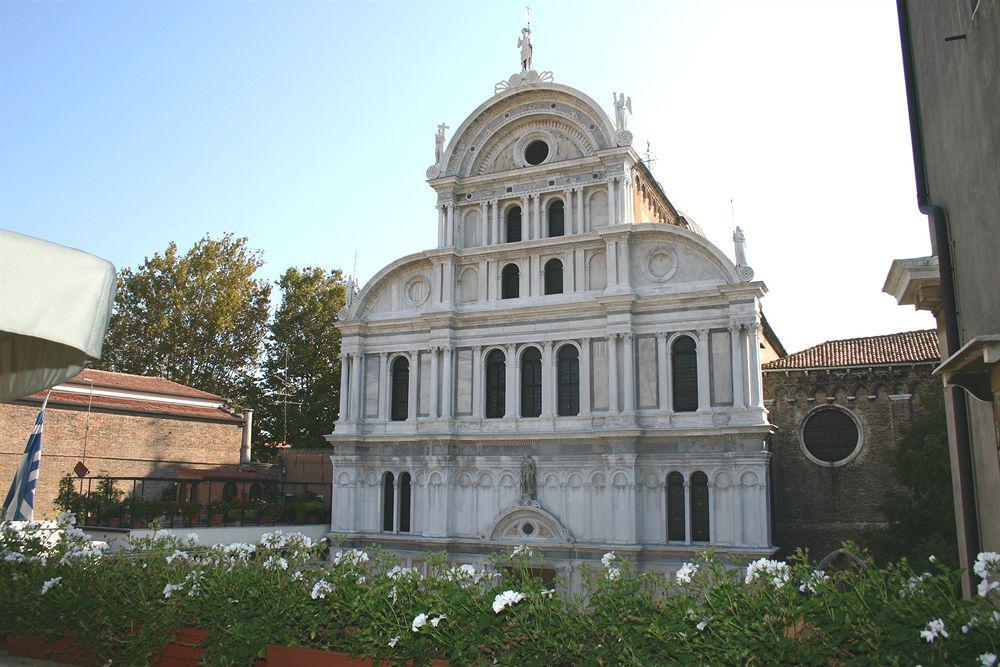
{"points": [[173, 502]]}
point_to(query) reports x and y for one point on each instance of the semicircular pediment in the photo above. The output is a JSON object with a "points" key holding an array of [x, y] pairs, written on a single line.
{"points": [[404, 285], [528, 522]]}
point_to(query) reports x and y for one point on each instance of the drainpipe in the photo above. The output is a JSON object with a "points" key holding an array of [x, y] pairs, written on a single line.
{"points": [[245, 446], [948, 312]]}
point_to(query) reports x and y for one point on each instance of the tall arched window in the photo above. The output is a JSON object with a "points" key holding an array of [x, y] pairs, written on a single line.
{"points": [[557, 217], [400, 389], [531, 383], [229, 491], [675, 507], [553, 277], [684, 359], [568, 384], [388, 501], [496, 384], [404, 502], [510, 282], [699, 507], [513, 224]]}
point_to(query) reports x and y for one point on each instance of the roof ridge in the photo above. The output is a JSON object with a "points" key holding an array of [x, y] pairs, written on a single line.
{"points": [[845, 340]]}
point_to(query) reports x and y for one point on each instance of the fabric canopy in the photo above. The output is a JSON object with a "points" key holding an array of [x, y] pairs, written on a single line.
{"points": [[55, 304]]}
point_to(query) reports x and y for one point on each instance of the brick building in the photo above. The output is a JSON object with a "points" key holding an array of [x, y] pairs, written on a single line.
{"points": [[838, 408], [123, 425]]}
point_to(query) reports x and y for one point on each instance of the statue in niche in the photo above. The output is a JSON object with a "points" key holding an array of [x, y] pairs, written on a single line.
{"points": [[529, 479], [439, 143], [621, 105], [524, 43]]}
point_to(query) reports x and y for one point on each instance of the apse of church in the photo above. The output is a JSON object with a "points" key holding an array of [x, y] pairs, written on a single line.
{"points": [[575, 366]]}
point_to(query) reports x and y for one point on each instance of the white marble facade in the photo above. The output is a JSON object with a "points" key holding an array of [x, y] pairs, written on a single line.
{"points": [[639, 285]]}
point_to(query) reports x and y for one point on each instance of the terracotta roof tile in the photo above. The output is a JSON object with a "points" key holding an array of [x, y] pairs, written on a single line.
{"points": [[150, 383], [130, 405], [898, 348]]}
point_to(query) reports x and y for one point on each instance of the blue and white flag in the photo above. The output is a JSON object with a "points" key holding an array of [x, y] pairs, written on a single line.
{"points": [[20, 502]]}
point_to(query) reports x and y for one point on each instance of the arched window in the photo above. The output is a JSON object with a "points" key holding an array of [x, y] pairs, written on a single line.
{"points": [[699, 507], [557, 217], [513, 224], [568, 373], [675, 507], [553, 277], [400, 389], [684, 359], [388, 500], [229, 491], [531, 383], [510, 282], [404, 502], [193, 496], [496, 384], [256, 491]]}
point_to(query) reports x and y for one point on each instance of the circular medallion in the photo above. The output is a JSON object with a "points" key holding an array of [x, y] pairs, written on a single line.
{"points": [[660, 264], [744, 272], [342, 314], [433, 172], [416, 291], [623, 138]]}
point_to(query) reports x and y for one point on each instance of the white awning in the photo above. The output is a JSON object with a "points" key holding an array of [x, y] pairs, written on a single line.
{"points": [[55, 304]]}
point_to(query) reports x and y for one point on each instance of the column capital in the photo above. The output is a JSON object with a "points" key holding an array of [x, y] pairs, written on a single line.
{"points": [[734, 327], [547, 345]]}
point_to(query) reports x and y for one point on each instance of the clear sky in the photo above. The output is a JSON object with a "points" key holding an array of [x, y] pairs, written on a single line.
{"points": [[308, 126]]}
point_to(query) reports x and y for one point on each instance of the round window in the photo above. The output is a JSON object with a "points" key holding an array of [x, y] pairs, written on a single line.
{"points": [[536, 152], [527, 528], [830, 436]]}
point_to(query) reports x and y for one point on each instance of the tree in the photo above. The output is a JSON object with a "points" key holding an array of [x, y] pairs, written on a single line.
{"points": [[919, 506], [197, 318], [303, 359]]}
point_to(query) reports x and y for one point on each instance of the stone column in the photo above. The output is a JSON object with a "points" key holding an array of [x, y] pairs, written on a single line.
{"points": [[442, 233], [356, 397], [411, 398], [704, 386], [753, 348], [383, 386], [536, 217], [613, 373], [623, 205], [738, 365], [687, 507], [579, 211], [548, 385], [525, 218], [629, 373], [662, 377], [513, 395], [496, 222], [484, 222], [568, 212], [450, 225], [585, 376], [448, 281], [345, 390], [611, 202], [478, 395], [435, 410], [448, 396], [569, 272], [612, 258], [543, 218]]}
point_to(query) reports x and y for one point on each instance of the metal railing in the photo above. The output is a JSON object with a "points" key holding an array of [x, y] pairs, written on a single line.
{"points": [[174, 502]]}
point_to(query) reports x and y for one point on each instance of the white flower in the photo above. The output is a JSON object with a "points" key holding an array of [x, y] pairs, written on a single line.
{"points": [[934, 630], [985, 586], [932, 558], [985, 562], [362, 579], [702, 625], [614, 573], [192, 538], [505, 599], [521, 550], [394, 641], [393, 594], [548, 593], [608, 558], [49, 584], [686, 573], [914, 585], [320, 589], [973, 622], [816, 577], [776, 570], [351, 557], [467, 570], [398, 572], [988, 659], [419, 621], [177, 554], [438, 619], [170, 588], [275, 563], [297, 576]]}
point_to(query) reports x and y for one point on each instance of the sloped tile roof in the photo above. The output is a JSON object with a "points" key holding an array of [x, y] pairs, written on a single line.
{"points": [[128, 405], [898, 348], [149, 383]]}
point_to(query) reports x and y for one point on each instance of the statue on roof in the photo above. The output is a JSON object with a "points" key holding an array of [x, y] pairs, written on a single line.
{"points": [[743, 269], [524, 43], [621, 105], [439, 143]]}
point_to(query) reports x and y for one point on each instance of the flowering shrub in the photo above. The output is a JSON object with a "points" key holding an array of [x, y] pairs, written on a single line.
{"points": [[124, 606]]}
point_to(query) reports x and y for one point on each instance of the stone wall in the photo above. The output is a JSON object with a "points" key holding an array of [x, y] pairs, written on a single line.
{"points": [[817, 506], [111, 442]]}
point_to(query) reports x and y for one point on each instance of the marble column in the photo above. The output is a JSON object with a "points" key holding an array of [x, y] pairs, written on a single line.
{"points": [[345, 363], [687, 507], [536, 217], [478, 395], [662, 378], [484, 224], [629, 373], [585, 376], [383, 386], [548, 385], [613, 373], [512, 408], [611, 201], [623, 206], [568, 212], [448, 396], [579, 211], [496, 223], [753, 348], [612, 260], [435, 410], [704, 386], [525, 218], [356, 396], [738, 365], [450, 225], [442, 234], [411, 398]]}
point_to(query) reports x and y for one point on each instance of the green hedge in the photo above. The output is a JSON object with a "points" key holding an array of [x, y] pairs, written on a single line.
{"points": [[126, 605]]}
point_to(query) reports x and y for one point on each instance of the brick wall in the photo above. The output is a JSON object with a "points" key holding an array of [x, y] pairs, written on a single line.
{"points": [[818, 507], [117, 443]]}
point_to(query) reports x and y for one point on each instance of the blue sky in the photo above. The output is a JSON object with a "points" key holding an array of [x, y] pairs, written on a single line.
{"points": [[308, 127]]}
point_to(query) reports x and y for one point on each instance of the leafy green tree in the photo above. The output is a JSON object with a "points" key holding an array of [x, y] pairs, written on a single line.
{"points": [[301, 379], [198, 318], [919, 506]]}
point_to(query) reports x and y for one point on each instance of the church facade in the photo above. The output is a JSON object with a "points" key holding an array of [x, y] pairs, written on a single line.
{"points": [[575, 366]]}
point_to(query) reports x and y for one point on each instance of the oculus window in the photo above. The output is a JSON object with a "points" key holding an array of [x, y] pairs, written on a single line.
{"points": [[536, 152], [830, 436]]}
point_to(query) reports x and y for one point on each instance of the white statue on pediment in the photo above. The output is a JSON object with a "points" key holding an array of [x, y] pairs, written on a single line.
{"points": [[524, 43], [622, 104], [439, 143]]}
